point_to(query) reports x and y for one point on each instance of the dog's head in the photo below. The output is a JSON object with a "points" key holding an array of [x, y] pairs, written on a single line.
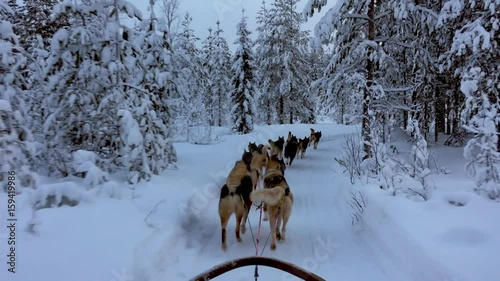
{"points": [[247, 157], [305, 142], [289, 136], [252, 146], [293, 139], [312, 132], [318, 135], [280, 142], [271, 143]]}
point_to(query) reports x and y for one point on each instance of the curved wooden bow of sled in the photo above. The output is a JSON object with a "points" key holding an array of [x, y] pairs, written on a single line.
{"points": [[257, 260]]}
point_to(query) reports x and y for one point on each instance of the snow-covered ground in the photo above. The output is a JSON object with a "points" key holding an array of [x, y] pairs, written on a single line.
{"points": [[168, 229]]}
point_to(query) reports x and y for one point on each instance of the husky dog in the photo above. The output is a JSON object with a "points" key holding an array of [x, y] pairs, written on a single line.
{"points": [[277, 147], [252, 146], [259, 160], [291, 149], [303, 144], [235, 196], [314, 138], [277, 199]]}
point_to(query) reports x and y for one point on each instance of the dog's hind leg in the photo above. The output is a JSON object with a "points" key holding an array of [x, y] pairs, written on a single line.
{"points": [[283, 228], [272, 224], [266, 216], [224, 217], [244, 220], [239, 217], [278, 224]]}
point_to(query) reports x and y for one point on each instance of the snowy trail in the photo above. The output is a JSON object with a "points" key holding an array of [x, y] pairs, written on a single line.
{"points": [[320, 237]]}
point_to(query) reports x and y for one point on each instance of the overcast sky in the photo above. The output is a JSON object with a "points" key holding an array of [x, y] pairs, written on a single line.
{"points": [[205, 14]]}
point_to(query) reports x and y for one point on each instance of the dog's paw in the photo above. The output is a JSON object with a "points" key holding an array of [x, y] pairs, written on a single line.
{"points": [[238, 239], [273, 247], [243, 229], [265, 219], [278, 236], [224, 247]]}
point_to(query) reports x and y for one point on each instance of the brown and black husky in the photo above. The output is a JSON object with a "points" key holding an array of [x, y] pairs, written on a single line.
{"points": [[291, 148], [235, 196], [314, 138], [303, 144], [277, 147], [277, 199]]}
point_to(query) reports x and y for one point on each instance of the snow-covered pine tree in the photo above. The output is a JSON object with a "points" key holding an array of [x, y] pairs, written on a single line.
{"points": [[221, 77], [419, 160], [265, 75], [150, 108], [475, 55], [349, 27], [207, 60], [191, 80], [288, 59], [243, 93], [87, 82], [370, 47], [14, 15], [15, 136], [36, 21]]}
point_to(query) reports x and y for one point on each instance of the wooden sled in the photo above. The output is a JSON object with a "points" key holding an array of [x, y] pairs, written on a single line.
{"points": [[257, 260]]}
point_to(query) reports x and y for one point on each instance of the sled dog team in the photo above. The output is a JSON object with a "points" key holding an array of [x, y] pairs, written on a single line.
{"points": [[267, 163]]}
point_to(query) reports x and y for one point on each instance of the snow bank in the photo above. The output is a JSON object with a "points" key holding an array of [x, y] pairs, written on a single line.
{"points": [[59, 194]]}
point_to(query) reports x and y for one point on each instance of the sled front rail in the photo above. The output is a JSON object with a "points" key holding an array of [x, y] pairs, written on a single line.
{"points": [[257, 260]]}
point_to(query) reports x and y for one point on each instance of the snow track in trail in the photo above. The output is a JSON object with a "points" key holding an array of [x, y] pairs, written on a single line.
{"points": [[320, 237]]}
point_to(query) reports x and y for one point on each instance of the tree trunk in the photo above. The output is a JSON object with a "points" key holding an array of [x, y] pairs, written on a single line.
{"points": [[281, 110], [365, 127], [268, 111], [498, 140], [439, 113]]}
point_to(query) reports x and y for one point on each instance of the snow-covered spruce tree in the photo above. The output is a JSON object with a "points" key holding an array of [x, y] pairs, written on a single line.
{"points": [[312, 103], [221, 76], [350, 27], [207, 60], [413, 79], [14, 15], [419, 161], [88, 80], [265, 76], [15, 136], [36, 21], [149, 112], [191, 81], [482, 151], [368, 55], [243, 93], [475, 55], [288, 59]]}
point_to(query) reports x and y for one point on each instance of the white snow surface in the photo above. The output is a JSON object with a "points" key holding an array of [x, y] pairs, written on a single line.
{"points": [[168, 228]]}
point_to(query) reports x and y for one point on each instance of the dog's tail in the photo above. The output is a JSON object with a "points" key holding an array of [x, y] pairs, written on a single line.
{"points": [[270, 196]]}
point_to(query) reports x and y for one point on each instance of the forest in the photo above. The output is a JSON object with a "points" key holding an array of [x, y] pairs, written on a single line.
{"points": [[77, 82]]}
